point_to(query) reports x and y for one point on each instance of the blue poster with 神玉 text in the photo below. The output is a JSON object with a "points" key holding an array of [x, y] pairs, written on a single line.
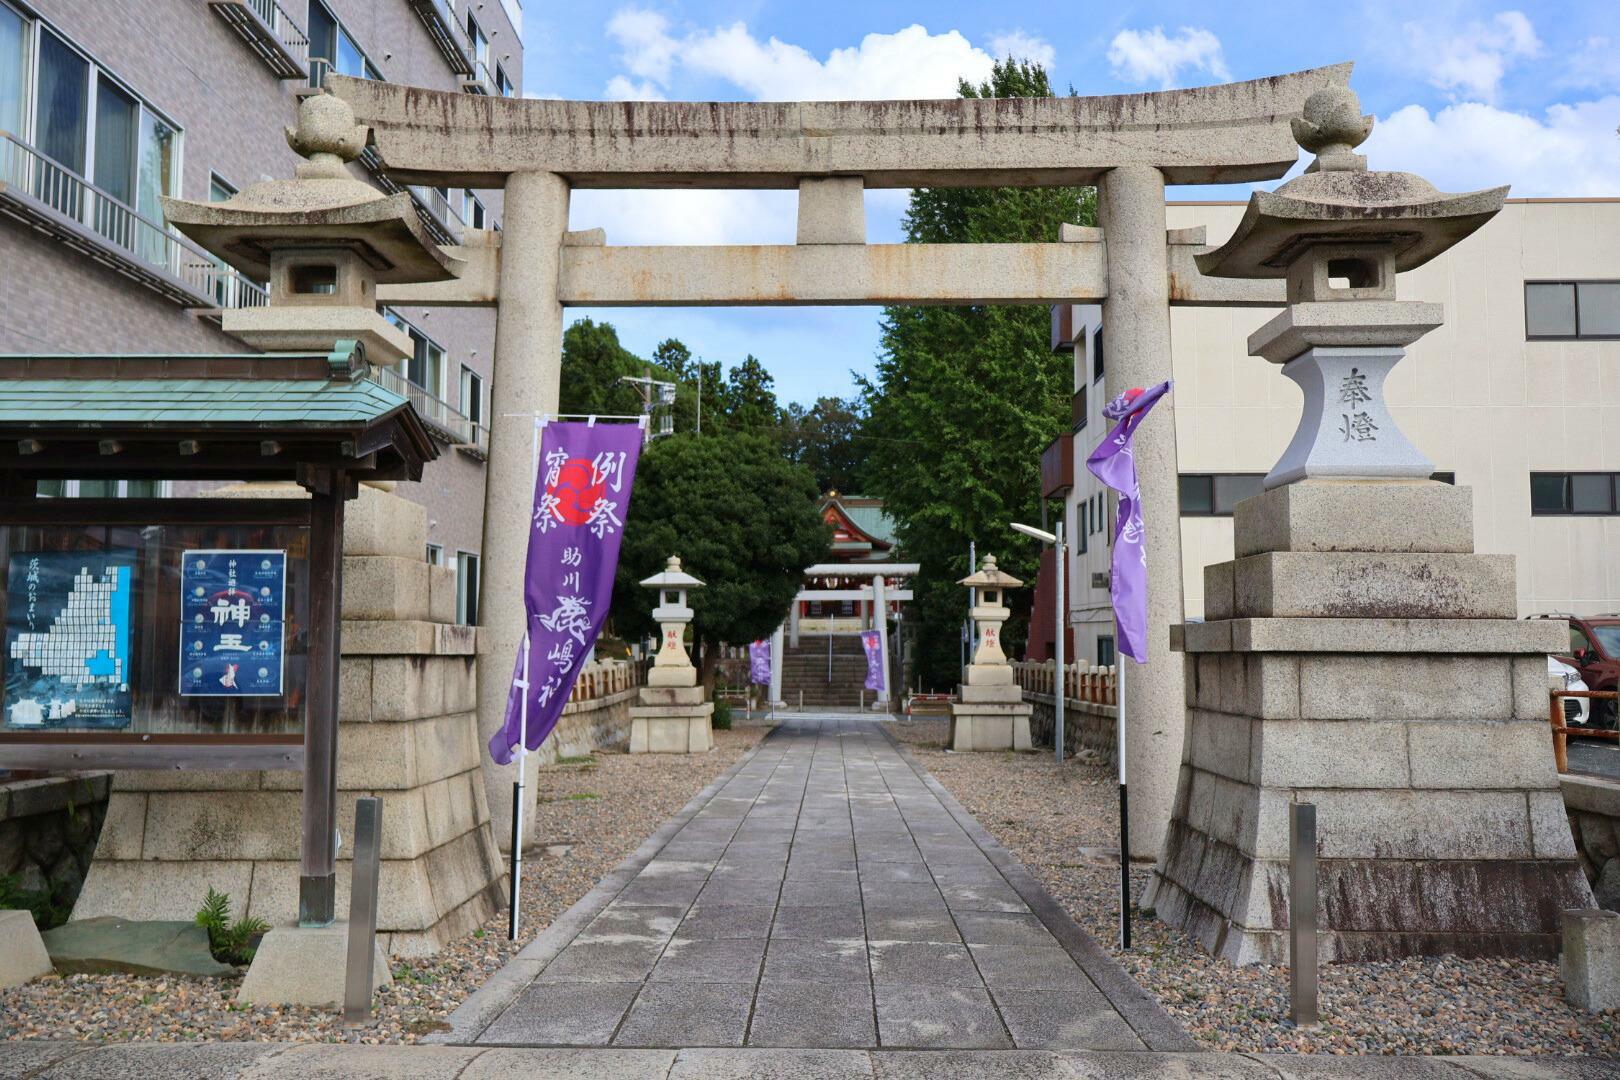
{"points": [[68, 631], [233, 619]]}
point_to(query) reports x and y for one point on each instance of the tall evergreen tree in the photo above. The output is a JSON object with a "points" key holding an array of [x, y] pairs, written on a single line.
{"points": [[966, 398]]}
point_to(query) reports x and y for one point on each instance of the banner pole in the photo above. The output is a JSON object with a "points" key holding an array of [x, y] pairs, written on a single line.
{"points": [[1124, 803], [517, 797]]}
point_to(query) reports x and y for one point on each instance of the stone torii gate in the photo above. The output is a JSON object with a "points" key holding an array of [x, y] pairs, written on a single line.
{"points": [[1130, 145]]}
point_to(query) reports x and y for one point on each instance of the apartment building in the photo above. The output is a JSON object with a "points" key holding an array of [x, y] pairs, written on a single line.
{"points": [[107, 106], [1517, 396]]}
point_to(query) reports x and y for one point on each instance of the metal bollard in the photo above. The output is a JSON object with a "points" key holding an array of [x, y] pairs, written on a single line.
{"points": [[359, 974], [1302, 970]]}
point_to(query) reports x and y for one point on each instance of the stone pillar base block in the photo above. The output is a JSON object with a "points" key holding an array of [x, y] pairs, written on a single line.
{"points": [[989, 727], [672, 676], [303, 966], [22, 953], [1590, 963], [671, 729]]}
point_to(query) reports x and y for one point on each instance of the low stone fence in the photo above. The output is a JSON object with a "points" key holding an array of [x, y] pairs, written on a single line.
{"points": [[48, 830], [597, 716], [1593, 806], [1089, 710]]}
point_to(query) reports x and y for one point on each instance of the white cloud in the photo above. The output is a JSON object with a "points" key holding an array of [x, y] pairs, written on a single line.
{"points": [[621, 88], [1470, 61], [1572, 150], [1149, 56], [1021, 46], [910, 63], [1594, 66], [649, 51]]}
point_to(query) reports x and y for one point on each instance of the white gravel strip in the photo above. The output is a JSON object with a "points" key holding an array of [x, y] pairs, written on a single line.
{"points": [[1045, 813]]}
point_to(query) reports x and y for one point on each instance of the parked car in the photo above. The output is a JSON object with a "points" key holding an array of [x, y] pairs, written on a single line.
{"points": [[1594, 651], [1577, 711]]}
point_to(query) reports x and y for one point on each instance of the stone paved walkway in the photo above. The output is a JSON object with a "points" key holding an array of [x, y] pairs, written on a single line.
{"points": [[826, 893]]}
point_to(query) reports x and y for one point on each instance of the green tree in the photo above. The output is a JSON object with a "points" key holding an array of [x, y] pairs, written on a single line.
{"points": [[964, 399], [827, 439], [592, 362], [741, 517], [751, 398]]}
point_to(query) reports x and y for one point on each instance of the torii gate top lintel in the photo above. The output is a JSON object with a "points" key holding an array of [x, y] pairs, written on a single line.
{"points": [[1229, 133]]}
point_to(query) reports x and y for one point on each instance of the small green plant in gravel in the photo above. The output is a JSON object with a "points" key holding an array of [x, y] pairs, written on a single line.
{"points": [[579, 759], [722, 715], [230, 942], [581, 795]]}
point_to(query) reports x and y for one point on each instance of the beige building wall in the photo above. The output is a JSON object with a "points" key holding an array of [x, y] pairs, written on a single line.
{"points": [[1475, 396]]}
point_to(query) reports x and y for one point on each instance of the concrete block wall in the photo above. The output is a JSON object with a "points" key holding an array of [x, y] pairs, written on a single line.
{"points": [[408, 732], [1593, 806]]}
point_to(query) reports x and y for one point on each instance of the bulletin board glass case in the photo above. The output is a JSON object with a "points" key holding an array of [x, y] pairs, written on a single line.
{"points": [[153, 633]]}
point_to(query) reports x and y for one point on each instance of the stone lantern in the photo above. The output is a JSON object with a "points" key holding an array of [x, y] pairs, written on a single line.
{"points": [[990, 712], [1357, 654], [672, 717], [324, 241]]}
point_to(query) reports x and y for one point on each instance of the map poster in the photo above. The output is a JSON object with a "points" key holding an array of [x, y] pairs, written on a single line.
{"points": [[232, 634], [68, 629]]}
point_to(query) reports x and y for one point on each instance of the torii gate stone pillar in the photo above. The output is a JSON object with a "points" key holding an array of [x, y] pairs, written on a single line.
{"points": [[528, 359], [1136, 326]]}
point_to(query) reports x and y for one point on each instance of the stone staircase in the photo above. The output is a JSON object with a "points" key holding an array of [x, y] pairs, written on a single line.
{"points": [[806, 669]]}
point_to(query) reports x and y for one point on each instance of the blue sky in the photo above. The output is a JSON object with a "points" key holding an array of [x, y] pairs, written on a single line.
{"points": [[1467, 94]]}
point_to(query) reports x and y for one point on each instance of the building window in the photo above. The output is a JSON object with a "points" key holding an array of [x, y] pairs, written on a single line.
{"points": [[219, 189], [1097, 356], [480, 42], [1105, 650], [333, 48], [1082, 526], [1571, 309], [472, 395], [425, 365], [1077, 409], [503, 85], [86, 121], [435, 554], [1216, 494], [1560, 494], [477, 216], [466, 588]]}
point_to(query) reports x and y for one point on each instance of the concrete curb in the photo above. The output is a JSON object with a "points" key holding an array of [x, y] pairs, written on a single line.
{"points": [[1156, 1028], [474, 1016], [34, 1060]]}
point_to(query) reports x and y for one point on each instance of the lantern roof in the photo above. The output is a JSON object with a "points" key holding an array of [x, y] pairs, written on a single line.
{"points": [[672, 577], [990, 577], [1338, 200]]}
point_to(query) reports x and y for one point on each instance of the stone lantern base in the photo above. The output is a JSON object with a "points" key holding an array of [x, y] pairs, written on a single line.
{"points": [[671, 720], [1360, 657], [990, 712]]}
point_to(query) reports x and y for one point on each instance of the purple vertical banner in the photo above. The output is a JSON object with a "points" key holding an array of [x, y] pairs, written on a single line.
{"points": [[1114, 463], [581, 498], [874, 659], [759, 663]]}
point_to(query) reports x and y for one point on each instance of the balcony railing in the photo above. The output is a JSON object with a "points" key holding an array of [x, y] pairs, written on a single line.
{"points": [[437, 413], [270, 32], [437, 215], [1057, 466], [479, 81], [58, 202], [447, 32]]}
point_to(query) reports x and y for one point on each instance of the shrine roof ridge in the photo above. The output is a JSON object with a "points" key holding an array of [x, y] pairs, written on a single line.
{"points": [[1226, 133]]}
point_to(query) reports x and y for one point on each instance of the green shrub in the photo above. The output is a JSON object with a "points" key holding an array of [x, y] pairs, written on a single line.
{"points": [[231, 943], [50, 906], [722, 715]]}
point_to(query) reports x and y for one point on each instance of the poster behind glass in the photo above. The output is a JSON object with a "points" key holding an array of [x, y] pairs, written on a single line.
{"points": [[69, 624], [233, 622]]}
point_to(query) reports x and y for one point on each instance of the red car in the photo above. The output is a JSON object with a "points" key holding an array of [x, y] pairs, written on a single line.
{"points": [[1594, 650]]}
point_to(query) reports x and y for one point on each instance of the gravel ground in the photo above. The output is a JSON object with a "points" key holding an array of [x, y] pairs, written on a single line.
{"points": [[1045, 814], [593, 815]]}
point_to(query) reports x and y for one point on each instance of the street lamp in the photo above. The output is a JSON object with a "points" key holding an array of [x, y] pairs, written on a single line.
{"points": [[1056, 540]]}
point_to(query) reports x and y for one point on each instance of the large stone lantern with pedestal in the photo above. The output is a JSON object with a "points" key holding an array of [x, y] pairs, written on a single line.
{"points": [[1357, 654], [324, 241], [989, 712], [672, 717]]}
